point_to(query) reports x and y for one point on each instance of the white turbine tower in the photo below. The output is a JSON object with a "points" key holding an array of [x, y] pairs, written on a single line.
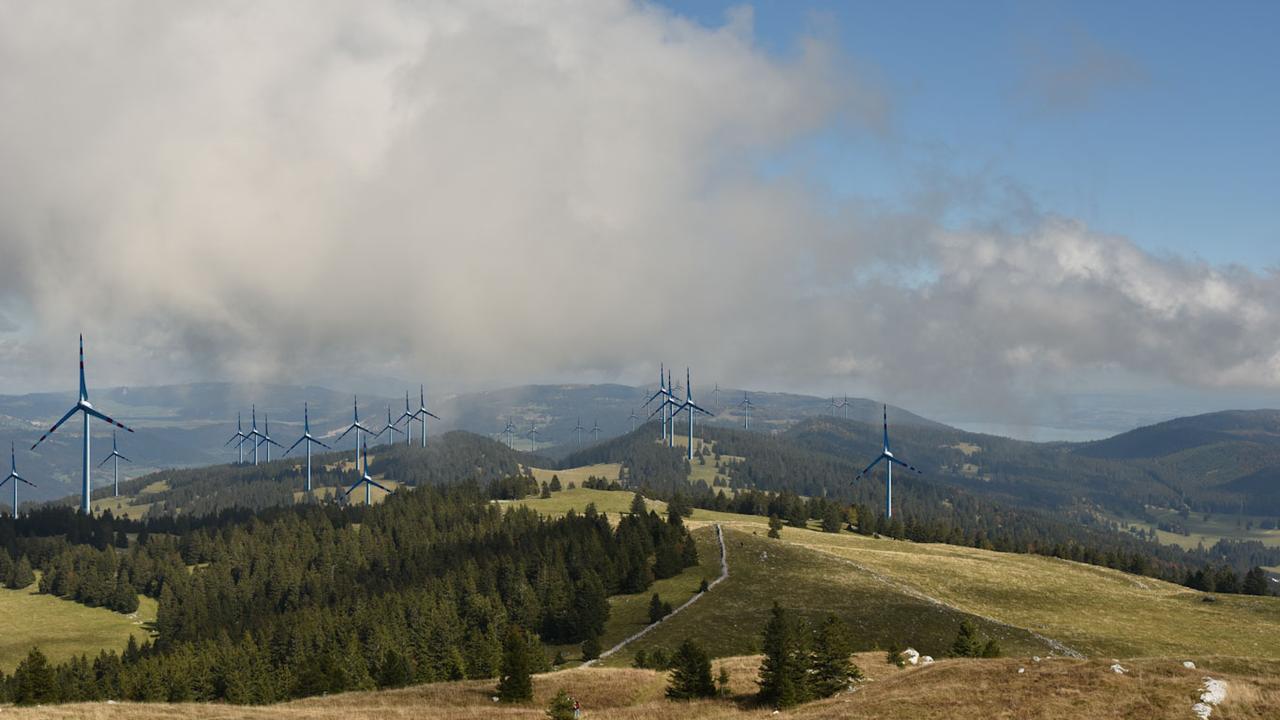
{"points": [[15, 478], [116, 457], [309, 440], [664, 396], [887, 456], [579, 429], [238, 438], [355, 425], [690, 407], [746, 406], [595, 430], [85, 408]]}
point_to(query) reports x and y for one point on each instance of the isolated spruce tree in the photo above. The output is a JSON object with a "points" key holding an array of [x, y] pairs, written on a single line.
{"points": [[722, 681], [515, 684], [22, 576], [832, 669], [690, 673], [546, 491], [784, 671], [561, 707], [967, 643], [991, 649], [638, 507], [658, 609], [555, 483], [775, 526]]}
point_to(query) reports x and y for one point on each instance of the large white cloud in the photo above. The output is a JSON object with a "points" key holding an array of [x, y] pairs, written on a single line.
{"points": [[497, 191]]}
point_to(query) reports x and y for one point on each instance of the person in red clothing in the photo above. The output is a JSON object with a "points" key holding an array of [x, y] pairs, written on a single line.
{"points": [[577, 709]]}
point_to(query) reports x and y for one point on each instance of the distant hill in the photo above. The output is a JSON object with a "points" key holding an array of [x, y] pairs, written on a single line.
{"points": [[1256, 427]]}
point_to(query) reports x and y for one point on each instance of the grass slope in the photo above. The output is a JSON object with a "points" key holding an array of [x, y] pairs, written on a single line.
{"points": [[62, 628], [950, 689]]}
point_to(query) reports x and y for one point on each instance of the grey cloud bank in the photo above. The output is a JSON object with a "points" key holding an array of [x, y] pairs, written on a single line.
{"points": [[493, 192]]}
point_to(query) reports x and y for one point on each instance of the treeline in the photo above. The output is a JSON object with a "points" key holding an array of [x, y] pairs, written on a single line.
{"points": [[320, 598]]}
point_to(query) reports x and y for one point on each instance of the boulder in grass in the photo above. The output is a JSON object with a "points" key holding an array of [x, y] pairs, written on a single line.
{"points": [[926, 659], [1188, 665], [911, 656], [1118, 669]]}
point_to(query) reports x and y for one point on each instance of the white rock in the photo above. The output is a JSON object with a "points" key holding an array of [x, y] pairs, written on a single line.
{"points": [[1035, 658], [1188, 665], [494, 698], [1202, 711], [911, 656], [1118, 669], [1021, 670], [926, 659], [1214, 692]]}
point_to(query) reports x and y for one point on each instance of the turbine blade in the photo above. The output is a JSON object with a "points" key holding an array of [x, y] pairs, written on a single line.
{"points": [[431, 414], [912, 468], [344, 432], [377, 484], [326, 447], [273, 442], [867, 469], [123, 458], [103, 417], [56, 425], [352, 488], [25, 480], [296, 444], [105, 459]]}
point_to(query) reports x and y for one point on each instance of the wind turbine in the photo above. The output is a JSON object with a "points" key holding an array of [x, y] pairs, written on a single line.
{"points": [[690, 407], [409, 417], [834, 406], [665, 395], [596, 430], [253, 435], [367, 481], [633, 418], [509, 432], [391, 427], [15, 477], [355, 425], [266, 437], [115, 466], [309, 440], [238, 438], [423, 413], [887, 456], [533, 437], [84, 407], [746, 405], [578, 429]]}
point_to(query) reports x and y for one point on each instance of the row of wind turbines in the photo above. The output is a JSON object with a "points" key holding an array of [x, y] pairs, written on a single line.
{"points": [[666, 395], [262, 439]]}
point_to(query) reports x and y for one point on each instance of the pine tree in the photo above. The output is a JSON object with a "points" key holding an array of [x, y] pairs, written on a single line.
{"points": [[967, 643], [33, 680], [722, 681], [555, 483], [832, 669], [515, 684], [991, 649], [690, 673], [22, 576], [784, 672], [561, 707], [658, 609], [394, 671], [591, 647], [1255, 582], [638, 507], [775, 526]]}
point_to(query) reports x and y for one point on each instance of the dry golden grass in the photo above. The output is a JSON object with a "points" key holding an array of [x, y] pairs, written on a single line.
{"points": [[578, 475], [952, 689]]}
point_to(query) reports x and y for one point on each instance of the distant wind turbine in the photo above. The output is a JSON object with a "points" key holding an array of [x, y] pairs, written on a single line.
{"points": [[308, 439], [887, 456], [238, 438], [408, 416], [367, 481], [116, 457], [690, 407], [578, 429], [596, 430], [15, 478], [266, 436], [662, 394], [390, 427], [634, 418], [746, 405], [533, 437], [84, 407], [509, 431], [253, 435], [834, 406], [355, 425], [423, 413]]}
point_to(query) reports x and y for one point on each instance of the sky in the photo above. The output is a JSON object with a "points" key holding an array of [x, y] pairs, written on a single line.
{"points": [[1027, 215]]}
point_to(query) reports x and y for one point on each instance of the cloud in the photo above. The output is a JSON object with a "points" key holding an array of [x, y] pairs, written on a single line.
{"points": [[1070, 70], [491, 192]]}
